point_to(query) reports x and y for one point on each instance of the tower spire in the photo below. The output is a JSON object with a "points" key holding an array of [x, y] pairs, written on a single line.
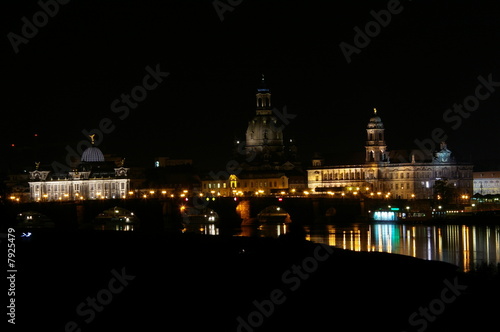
{"points": [[263, 97]]}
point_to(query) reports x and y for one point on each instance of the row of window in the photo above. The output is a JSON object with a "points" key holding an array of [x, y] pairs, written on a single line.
{"points": [[106, 186], [349, 175], [77, 187], [396, 186], [236, 184], [486, 182]]}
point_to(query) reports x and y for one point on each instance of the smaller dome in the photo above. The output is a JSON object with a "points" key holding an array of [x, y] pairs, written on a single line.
{"points": [[375, 123], [92, 155]]}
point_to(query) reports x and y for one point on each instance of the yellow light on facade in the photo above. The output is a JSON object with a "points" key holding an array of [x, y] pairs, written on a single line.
{"points": [[163, 192], [12, 197], [130, 192], [306, 193], [144, 196], [182, 195], [379, 193], [151, 192], [355, 193]]}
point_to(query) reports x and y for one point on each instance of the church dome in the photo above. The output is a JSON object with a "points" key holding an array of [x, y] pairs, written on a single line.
{"points": [[92, 155], [375, 121], [264, 130]]}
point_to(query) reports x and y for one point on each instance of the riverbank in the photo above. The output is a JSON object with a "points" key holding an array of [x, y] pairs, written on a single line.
{"points": [[188, 282]]}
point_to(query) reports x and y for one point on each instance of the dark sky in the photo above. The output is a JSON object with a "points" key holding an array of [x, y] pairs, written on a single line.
{"points": [[65, 78]]}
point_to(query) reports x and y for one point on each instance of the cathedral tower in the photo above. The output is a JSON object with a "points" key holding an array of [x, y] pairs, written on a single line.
{"points": [[376, 149], [264, 136]]}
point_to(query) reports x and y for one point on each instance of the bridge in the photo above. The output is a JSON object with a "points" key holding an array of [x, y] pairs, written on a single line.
{"points": [[164, 213]]}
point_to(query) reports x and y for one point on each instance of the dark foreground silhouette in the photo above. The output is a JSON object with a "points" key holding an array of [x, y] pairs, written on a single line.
{"points": [[133, 281]]}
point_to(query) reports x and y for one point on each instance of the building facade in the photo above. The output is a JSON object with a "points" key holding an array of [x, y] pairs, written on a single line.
{"points": [[487, 183], [94, 178], [379, 177]]}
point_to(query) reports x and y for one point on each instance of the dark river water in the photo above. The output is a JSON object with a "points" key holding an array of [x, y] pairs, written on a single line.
{"points": [[463, 245]]}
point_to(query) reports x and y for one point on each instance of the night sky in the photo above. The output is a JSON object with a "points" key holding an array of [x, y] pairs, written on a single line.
{"points": [[66, 77]]}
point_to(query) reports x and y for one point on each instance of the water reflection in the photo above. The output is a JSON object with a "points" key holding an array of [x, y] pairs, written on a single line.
{"points": [[264, 230], [462, 245], [205, 228], [114, 226]]}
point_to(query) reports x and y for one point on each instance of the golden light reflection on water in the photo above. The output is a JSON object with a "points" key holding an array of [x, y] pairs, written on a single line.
{"points": [[462, 245]]}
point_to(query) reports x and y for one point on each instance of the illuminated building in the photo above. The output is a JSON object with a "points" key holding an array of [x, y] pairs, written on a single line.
{"points": [[378, 176], [94, 178], [487, 183], [265, 165]]}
